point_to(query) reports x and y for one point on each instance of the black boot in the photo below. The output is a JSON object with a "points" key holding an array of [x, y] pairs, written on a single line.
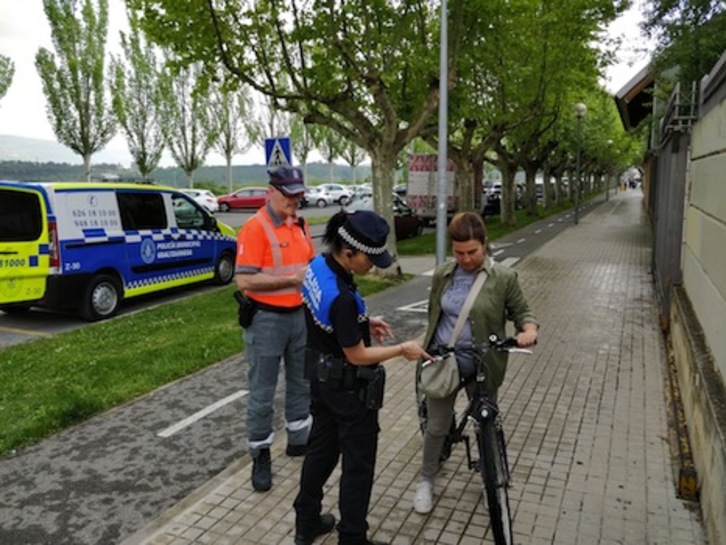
{"points": [[262, 471], [359, 541], [307, 536]]}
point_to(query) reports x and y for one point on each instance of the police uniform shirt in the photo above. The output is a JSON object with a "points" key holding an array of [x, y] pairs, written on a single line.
{"points": [[348, 327]]}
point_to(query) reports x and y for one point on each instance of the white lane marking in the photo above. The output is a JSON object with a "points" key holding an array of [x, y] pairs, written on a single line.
{"points": [[497, 253], [171, 430], [28, 332], [510, 261], [538, 231], [551, 225], [419, 306], [521, 240], [501, 244]]}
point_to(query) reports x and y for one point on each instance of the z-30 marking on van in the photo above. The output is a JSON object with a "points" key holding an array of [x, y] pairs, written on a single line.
{"points": [[88, 246]]}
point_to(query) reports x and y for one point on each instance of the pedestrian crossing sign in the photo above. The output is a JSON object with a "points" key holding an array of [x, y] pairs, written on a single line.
{"points": [[277, 152]]}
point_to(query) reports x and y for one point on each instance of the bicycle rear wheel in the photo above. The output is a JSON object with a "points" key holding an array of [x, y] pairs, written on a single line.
{"points": [[495, 476]]}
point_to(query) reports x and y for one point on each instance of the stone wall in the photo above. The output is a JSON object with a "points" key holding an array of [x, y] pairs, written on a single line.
{"points": [[698, 307]]}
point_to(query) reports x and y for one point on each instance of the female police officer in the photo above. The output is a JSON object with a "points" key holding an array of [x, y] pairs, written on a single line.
{"points": [[346, 380]]}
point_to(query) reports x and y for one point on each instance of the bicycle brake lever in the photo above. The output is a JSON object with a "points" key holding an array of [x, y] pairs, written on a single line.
{"points": [[520, 351]]}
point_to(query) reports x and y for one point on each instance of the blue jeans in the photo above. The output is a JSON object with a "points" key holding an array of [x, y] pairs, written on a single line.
{"points": [[270, 338]]}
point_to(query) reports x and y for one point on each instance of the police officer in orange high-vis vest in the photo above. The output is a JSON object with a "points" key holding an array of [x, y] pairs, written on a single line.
{"points": [[274, 248]]}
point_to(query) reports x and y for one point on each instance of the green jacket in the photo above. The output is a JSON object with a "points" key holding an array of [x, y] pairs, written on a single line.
{"points": [[499, 300]]}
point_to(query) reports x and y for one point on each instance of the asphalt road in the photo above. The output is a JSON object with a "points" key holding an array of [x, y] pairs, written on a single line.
{"points": [[100, 481], [38, 323]]}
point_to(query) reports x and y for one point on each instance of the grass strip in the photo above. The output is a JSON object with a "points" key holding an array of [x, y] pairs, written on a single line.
{"points": [[52, 383]]}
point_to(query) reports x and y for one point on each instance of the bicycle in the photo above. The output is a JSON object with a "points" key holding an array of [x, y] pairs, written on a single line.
{"points": [[483, 412]]}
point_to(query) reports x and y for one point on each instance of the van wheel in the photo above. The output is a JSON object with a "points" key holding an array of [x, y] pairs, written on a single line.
{"points": [[322, 203], [102, 298], [224, 270]]}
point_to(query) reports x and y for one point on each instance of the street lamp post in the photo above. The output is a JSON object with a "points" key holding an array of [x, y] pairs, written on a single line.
{"points": [[608, 170], [580, 111]]}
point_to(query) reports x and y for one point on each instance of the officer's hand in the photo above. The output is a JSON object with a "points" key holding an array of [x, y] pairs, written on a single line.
{"points": [[412, 351], [380, 329]]}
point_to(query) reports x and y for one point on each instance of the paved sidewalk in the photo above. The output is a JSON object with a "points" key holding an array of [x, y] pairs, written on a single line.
{"points": [[585, 419]]}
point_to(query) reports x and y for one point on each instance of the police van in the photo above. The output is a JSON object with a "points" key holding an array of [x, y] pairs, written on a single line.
{"points": [[85, 247]]}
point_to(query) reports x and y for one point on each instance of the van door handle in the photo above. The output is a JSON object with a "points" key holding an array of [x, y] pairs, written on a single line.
{"points": [[8, 253]]}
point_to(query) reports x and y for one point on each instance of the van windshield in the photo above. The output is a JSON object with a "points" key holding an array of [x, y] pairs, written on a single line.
{"points": [[20, 216]]}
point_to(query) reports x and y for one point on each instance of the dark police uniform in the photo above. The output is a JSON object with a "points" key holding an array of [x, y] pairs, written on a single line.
{"points": [[344, 399]]}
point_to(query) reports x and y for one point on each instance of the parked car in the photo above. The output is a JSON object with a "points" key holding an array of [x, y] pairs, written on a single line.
{"points": [[400, 190], [204, 197], [360, 191], [315, 196], [492, 195], [247, 197], [406, 223], [341, 194]]}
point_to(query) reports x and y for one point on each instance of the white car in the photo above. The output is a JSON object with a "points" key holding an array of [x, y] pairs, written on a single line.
{"points": [[316, 196], [204, 197], [341, 194]]}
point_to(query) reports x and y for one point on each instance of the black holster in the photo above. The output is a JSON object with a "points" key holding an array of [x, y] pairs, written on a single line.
{"points": [[247, 309], [374, 386], [369, 382]]}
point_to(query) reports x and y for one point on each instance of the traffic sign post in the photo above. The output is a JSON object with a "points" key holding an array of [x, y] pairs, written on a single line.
{"points": [[277, 152]]}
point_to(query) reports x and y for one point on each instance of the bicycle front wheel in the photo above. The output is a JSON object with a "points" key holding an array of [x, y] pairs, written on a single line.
{"points": [[495, 476]]}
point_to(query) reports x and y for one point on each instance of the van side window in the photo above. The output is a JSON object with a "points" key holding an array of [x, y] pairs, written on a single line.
{"points": [[142, 210], [20, 216], [188, 215]]}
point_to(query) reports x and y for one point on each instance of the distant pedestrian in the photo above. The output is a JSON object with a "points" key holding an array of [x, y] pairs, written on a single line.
{"points": [[346, 379], [499, 300], [274, 248]]}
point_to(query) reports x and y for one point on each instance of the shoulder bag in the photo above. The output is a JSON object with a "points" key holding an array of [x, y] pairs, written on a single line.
{"points": [[440, 378]]}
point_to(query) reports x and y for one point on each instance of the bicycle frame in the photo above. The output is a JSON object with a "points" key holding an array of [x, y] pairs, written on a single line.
{"points": [[484, 413]]}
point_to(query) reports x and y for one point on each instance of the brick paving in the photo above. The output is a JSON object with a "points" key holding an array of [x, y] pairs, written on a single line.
{"points": [[585, 419]]}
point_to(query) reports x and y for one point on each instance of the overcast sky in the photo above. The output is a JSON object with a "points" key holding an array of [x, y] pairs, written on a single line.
{"points": [[24, 29]]}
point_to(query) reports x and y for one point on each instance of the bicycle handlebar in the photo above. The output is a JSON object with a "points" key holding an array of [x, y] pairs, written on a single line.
{"points": [[508, 344]]}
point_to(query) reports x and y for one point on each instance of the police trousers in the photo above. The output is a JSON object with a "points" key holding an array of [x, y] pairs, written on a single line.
{"points": [[342, 427]]}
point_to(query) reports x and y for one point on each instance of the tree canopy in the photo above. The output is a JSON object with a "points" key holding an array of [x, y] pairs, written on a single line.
{"points": [[7, 70], [73, 78]]}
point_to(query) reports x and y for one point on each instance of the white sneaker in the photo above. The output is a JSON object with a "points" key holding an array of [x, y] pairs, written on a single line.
{"points": [[423, 501]]}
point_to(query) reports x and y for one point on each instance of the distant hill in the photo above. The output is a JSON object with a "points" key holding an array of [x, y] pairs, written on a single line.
{"points": [[35, 150], [35, 160]]}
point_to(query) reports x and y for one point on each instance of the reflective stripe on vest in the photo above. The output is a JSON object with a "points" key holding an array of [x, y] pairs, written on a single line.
{"points": [[278, 268]]}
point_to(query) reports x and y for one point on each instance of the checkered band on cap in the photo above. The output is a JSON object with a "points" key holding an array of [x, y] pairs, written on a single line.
{"points": [[359, 245]]}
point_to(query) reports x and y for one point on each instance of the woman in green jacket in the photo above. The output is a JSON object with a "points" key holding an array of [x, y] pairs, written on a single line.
{"points": [[499, 300]]}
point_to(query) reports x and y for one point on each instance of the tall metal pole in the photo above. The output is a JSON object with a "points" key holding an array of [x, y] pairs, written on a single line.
{"points": [[443, 140], [580, 110], [577, 181], [609, 170]]}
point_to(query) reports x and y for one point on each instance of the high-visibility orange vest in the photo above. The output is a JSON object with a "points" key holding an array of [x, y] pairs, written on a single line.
{"points": [[281, 250]]}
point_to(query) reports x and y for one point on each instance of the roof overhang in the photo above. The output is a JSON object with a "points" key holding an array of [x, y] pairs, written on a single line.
{"points": [[635, 99]]}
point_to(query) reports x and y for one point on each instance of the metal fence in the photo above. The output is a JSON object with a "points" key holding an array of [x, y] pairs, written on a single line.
{"points": [[668, 192]]}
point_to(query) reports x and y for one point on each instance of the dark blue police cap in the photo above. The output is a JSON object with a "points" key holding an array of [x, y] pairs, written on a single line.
{"points": [[289, 180], [367, 231]]}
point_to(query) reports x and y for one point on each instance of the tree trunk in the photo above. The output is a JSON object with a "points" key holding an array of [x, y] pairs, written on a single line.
{"points": [[383, 166], [229, 172], [87, 167], [530, 194], [465, 186], [509, 195]]}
